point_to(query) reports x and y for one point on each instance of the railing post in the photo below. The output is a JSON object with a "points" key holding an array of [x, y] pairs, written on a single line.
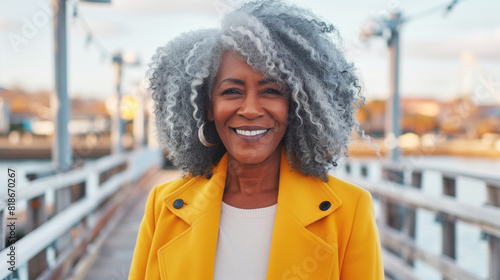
{"points": [[23, 272], [2, 226], [493, 199], [36, 215], [449, 227], [347, 168], [62, 201], [364, 171], [416, 179], [92, 185], [409, 225], [393, 211], [411, 215]]}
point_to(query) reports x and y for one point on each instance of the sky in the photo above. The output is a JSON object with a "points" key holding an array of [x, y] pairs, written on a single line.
{"points": [[442, 54]]}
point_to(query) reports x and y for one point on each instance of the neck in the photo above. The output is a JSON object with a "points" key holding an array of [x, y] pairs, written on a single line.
{"points": [[253, 179]]}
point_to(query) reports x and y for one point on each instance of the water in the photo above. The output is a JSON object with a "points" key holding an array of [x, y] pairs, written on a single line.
{"points": [[472, 248]]}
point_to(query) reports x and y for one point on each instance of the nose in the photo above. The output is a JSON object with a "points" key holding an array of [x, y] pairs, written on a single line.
{"points": [[251, 107]]}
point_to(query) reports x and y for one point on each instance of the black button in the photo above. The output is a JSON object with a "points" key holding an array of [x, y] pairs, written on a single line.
{"points": [[325, 205], [178, 203]]}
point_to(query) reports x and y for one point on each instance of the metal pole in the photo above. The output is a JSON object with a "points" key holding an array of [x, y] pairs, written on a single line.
{"points": [[392, 112], [118, 123], [61, 150]]}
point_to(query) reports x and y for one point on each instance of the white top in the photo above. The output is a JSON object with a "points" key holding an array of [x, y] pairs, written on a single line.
{"points": [[244, 243]]}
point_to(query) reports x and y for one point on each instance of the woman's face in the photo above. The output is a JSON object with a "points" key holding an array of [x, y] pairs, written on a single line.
{"points": [[250, 113]]}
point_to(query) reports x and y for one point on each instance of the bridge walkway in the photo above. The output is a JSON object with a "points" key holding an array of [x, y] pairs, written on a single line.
{"points": [[114, 257]]}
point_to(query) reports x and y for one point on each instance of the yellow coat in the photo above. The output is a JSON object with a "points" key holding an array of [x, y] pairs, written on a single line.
{"points": [[341, 242]]}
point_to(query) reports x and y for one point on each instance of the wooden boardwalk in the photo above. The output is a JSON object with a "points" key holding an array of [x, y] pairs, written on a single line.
{"points": [[114, 257]]}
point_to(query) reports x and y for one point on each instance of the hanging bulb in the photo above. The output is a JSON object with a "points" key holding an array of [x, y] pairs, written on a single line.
{"points": [[88, 40], [75, 11]]}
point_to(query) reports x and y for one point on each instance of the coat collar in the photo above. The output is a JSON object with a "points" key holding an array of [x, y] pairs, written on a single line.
{"points": [[298, 207], [200, 195], [301, 195]]}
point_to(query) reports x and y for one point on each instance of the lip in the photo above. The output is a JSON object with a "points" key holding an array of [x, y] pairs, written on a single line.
{"points": [[248, 127], [250, 138]]}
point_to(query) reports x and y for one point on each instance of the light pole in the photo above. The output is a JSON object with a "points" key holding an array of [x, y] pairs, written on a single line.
{"points": [[380, 27], [118, 126], [61, 150]]}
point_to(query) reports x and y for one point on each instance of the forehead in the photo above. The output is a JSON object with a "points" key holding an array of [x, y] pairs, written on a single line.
{"points": [[235, 65]]}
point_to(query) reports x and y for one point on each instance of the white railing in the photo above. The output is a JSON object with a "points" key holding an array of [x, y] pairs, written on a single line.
{"points": [[74, 220], [399, 191]]}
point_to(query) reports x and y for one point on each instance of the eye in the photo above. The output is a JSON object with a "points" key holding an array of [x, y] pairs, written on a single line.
{"points": [[272, 91], [230, 91]]}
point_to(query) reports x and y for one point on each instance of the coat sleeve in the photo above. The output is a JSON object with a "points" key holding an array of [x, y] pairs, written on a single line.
{"points": [[144, 239], [363, 256]]}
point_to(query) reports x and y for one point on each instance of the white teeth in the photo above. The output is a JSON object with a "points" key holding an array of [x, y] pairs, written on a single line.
{"points": [[250, 132]]}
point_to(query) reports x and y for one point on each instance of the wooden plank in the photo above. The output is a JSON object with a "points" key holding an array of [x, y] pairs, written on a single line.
{"points": [[2, 226], [395, 175], [37, 265], [394, 212], [494, 257], [493, 199], [490, 179], [393, 239], [487, 217], [409, 230], [364, 170], [36, 215], [396, 267], [416, 179], [493, 195], [448, 236], [411, 217]]}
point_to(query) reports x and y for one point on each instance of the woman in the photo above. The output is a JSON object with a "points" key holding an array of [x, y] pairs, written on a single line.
{"points": [[256, 113]]}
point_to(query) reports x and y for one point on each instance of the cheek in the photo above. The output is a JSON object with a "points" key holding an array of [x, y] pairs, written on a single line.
{"points": [[221, 113], [281, 113]]}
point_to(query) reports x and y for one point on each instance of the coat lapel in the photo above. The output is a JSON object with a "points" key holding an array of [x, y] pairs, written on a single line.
{"points": [[191, 254], [296, 252]]}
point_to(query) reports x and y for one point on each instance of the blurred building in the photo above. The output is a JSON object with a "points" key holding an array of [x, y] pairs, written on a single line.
{"points": [[4, 115], [456, 119], [31, 113]]}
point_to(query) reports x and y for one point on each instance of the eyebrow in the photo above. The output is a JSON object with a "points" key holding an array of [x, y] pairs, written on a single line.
{"points": [[241, 82]]}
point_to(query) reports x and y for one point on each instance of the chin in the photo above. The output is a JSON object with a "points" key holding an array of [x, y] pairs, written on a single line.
{"points": [[252, 156]]}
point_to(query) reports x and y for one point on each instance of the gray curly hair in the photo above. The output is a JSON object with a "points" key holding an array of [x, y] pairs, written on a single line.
{"points": [[286, 43]]}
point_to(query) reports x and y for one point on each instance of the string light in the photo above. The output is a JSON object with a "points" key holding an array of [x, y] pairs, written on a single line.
{"points": [[444, 8], [90, 38]]}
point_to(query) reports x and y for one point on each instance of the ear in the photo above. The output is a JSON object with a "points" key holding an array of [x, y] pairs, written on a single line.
{"points": [[210, 110]]}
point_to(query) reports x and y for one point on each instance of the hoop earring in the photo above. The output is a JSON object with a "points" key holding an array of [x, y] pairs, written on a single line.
{"points": [[202, 138]]}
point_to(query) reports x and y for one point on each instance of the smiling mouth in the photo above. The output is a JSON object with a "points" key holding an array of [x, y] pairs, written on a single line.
{"points": [[251, 132]]}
